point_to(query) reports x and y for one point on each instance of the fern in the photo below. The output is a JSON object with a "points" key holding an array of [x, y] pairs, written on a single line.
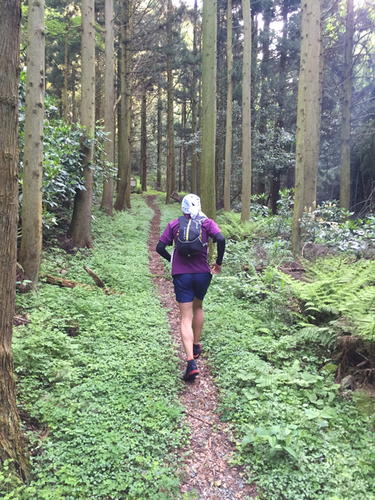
{"points": [[339, 288], [317, 335]]}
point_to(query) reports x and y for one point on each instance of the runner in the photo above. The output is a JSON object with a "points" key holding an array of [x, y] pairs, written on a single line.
{"points": [[191, 274]]}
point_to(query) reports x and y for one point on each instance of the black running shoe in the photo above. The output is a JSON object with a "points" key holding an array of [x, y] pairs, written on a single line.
{"points": [[197, 349], [191, 371]]}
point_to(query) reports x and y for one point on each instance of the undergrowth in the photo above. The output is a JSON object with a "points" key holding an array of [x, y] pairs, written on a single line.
{"points": [[89, 371], [298, 435]]}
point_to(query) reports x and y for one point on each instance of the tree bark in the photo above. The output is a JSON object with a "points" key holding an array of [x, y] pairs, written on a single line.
{"points": [[193, 172], [31, 244], [11, 437], [158, 163], [209, 48], [171, 162], [346, 108], [246, 113], [308, 115], [65, 88], [80, 228], [144, 142], [109, 103], [122, 136], [183, 147], [228, 134]]}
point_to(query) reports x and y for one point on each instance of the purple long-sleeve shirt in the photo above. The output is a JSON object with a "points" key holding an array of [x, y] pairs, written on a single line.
{"points": [[196, 263]]}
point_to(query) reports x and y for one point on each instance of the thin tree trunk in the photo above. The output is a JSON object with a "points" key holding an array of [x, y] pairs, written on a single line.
{"points": [[74, 102], [158, 163], [128, 99], [263, 103], [11, 437], [65, 88], [193, 172], [171, 169], [80, 228], [228, 135], [246, 113], [208, 108], [308, 115], [184, 172], [109, 112], [346, 108], [144, 142], [31, 244]]}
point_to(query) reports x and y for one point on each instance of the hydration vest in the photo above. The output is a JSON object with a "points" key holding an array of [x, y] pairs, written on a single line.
{"points": [[189, 237]]}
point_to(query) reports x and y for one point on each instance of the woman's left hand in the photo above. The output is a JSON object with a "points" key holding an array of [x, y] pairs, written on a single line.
{"points": [[215, 269]]}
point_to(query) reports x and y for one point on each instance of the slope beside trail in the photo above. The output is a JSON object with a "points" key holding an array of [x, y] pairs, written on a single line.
{"points": [[206, 460]]}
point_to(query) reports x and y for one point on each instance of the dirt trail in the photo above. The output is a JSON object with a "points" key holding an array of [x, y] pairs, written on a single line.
{"points": [[206, 466]]}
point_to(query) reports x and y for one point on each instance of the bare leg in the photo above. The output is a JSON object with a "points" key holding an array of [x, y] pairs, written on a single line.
{"points": [[186, 310], [198, 319]]}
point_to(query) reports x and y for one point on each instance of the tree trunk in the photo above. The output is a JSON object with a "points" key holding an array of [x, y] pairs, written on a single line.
{"points": [[74, 103], [193, 172], [80, 228], [158, 163], [124, 145], [246, 113], [184, 171], [228, 134], [263, 103], [208, 108], [11, 437], [144, 142], [109, 112], [346, 108], [128, 99], [31, 244], [171, 169], [65, 88], [308, 115]]}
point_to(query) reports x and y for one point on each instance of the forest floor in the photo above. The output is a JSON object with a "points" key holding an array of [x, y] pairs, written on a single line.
{"points": [[206, 459]]}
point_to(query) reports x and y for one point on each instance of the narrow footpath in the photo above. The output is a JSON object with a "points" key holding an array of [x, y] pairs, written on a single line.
{"points": [[206, 460]]}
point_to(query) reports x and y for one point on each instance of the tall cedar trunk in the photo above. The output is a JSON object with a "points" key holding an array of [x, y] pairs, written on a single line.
{"points": [[209, 45], [31, 244], [246, 113], [171, 169], [254, 73], [158, 162], [123, 138], [346, 108], [263, 103], [184, 171], [193, 172], [228, 135], [65, 88], [144, 142], [80, 228], [11, 438], [74, 103], [128, 99], [181, 154], [109, 112], [308, 115]]}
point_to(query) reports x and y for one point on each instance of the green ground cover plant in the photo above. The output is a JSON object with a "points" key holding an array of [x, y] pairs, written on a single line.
{"points": [[298, 435], [99, 373]]}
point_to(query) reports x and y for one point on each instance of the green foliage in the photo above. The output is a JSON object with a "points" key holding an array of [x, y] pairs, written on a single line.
{"points": [[340, 297], [100, 373], [296, 436]]}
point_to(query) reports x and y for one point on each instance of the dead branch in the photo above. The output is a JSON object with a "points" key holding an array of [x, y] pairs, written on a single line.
{"points": [[94, 276]]}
